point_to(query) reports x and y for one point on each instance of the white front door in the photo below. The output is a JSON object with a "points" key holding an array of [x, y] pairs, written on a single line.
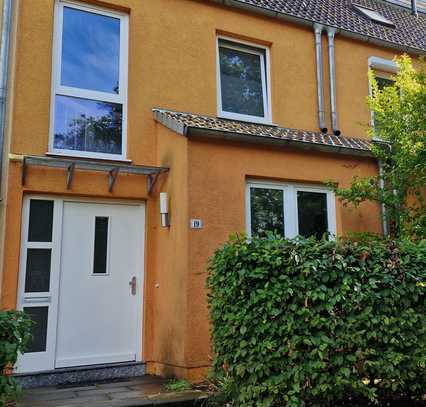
{"points": [[93, 304]]}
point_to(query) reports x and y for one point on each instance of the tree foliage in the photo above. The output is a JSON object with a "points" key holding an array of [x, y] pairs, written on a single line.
{"points": [[15, 327], [399, 134]]}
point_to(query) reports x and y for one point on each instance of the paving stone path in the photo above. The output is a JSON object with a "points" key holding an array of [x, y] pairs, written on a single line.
{"points": [[138, 391]]}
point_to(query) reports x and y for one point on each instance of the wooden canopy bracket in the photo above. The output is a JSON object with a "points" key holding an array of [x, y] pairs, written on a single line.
{"points": [[152, 179], [70, 174], [24, 171], [112, 177]]}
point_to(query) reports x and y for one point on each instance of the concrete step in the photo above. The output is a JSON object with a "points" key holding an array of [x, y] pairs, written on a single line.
{"points": [[80, 375], [131, 392]]}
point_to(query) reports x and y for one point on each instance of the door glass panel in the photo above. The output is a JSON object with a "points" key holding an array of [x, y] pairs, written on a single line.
{"points": [[37, 277], [267, 211], [87, 125], [100, 256], [90, 51], [241, 82], [312, 213], [41, 221], [38, 329]]}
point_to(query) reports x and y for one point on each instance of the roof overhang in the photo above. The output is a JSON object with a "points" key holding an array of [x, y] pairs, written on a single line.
{"points": [[191, 125], [307, 22], [273, 142]]}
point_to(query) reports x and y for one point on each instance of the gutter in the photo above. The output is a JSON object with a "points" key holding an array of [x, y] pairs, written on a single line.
{"points": [[189, 131], [306, 22], [4, 65]]}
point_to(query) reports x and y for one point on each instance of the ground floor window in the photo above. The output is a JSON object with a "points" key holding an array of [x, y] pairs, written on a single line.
{"points": [[289, 209]]}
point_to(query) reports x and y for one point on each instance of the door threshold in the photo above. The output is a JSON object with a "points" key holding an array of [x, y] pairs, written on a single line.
{"points": [[80, 374]]}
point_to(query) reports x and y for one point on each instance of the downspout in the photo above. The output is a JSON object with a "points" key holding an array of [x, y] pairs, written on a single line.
{"points": [[414, 7], [332, 75], [4, 65], [318, 28], [384, 214]]}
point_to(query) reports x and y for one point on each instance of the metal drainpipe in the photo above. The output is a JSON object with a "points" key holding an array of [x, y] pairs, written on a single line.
{"points": [[414, 7], [384, 214], [4, 65], [318, 28], [332, 75]]}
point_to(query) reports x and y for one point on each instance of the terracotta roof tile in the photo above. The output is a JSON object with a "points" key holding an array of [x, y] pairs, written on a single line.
{"points": [[183, 123]]}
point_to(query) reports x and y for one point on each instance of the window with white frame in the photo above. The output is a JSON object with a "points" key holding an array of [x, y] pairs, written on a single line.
{"points": [[383, 71], [243, 81], [289, 210], [89, 101]]}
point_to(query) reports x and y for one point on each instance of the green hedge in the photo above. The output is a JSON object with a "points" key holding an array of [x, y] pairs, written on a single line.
{"points": [[15, 329], [305, 321]]}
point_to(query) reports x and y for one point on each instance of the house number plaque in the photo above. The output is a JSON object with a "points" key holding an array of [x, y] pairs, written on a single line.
{"points": [[196, 224]]}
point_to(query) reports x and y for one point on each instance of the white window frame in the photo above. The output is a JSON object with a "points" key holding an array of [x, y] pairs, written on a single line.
{"points": [[264, 55], [31, 362], [291, 224], [383, 65], [58, 89]]}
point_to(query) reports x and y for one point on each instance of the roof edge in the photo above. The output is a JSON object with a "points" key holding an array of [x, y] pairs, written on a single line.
{"points": [[269, 141], [174, 125], [160, 115], [306, 22]]}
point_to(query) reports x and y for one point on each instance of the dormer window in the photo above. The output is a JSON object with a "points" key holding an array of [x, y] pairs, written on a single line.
{"points": [[243, 81], [373, 15]]}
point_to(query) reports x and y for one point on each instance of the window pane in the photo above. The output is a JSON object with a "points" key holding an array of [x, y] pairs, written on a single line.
{"points": [[267, 211], [384, 82], [87, 125], [38, 329], [241, 82], [37, 276], [41, 221], [312, 213], [101, 245], [90, 51]]}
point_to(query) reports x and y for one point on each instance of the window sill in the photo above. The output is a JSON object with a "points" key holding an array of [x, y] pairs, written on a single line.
{"points": [[64, 155]]}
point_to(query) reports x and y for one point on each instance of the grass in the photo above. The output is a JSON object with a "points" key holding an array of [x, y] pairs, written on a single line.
{"points": [[177, 385]]}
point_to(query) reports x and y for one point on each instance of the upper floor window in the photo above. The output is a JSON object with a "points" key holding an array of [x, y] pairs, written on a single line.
{"points": [[89, 101], [383, 71], [243, 81], [290, 210]]}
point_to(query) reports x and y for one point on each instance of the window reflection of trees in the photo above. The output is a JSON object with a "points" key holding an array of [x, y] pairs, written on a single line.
{"points": [[267, 211], [96, 134], [241, 83]]}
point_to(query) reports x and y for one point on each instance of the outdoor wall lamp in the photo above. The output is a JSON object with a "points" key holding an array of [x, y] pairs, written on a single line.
{"points": [[164, 209]]}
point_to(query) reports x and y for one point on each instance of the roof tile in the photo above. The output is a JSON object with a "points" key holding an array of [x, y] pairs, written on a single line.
{"points": [[184, 122], [409, 31]]}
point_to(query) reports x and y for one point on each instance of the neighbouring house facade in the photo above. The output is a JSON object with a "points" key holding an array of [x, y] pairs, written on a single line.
{"points": [[237, 112]]}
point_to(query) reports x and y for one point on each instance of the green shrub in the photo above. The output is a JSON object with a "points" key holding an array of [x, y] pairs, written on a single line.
{"points": [[14, 335], [305, 321]]}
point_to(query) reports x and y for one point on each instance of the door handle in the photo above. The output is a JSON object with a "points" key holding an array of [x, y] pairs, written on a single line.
{"points": [[132, 284]]}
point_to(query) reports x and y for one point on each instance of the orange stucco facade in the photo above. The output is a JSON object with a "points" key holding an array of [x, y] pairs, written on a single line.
{"points": [[172, 64]]}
